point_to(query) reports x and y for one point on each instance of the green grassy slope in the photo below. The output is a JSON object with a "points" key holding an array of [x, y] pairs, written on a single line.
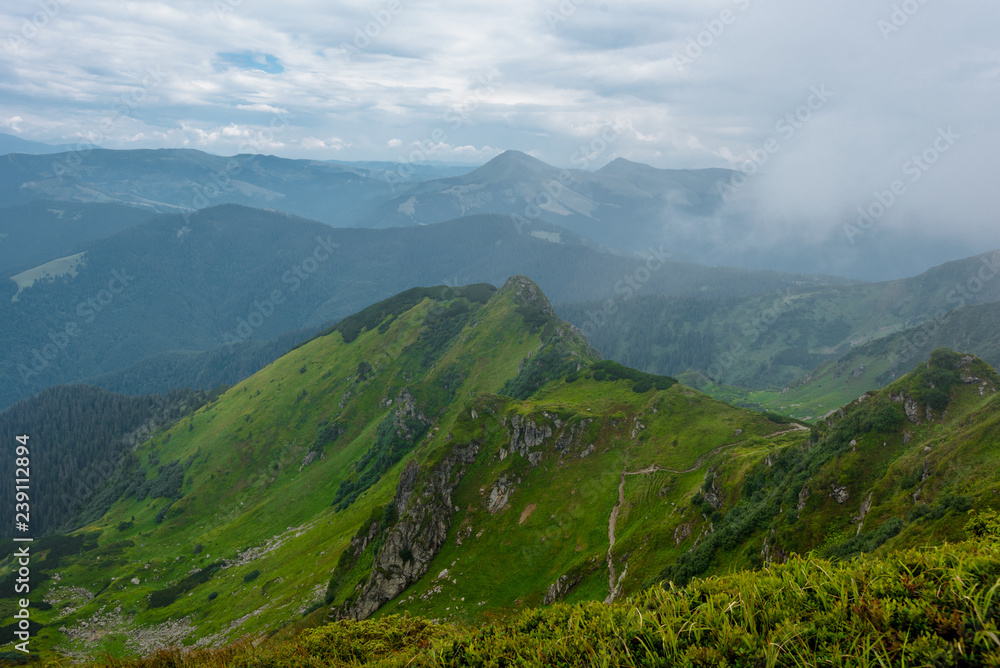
{"points": [[460, 454], [924, 607], [224, 526]]}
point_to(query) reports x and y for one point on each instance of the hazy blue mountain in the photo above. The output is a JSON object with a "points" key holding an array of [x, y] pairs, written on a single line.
{"points": [[177, 284], [414, 171], [43, 230], [622, 205], [178, 180], [13, 144]]}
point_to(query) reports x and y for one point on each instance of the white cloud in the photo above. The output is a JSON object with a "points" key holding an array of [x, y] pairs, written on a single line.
{"points": [[333, 143], [14, 123], [489, 74]]}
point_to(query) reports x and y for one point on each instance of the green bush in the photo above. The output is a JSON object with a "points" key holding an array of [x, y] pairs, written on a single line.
{"points": [[251, 576], [985, 524]]}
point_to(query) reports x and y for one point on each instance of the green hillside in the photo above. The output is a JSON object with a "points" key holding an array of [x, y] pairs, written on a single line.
{"points": [[460, 454], [769, 340], [873, 365], [923, 607]]}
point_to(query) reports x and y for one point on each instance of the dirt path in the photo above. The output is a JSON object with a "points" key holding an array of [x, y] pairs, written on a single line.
{"points": [[614, 581]]}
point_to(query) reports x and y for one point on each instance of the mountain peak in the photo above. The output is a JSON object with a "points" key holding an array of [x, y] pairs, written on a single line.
{"points": [[623, 166], [527, 292], [511, 165]]}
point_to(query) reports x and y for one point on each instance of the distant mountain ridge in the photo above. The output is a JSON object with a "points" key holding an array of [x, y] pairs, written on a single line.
{"points": [[622, 205], [13, 144], [44, 230], [768, 341], [229, 274]]}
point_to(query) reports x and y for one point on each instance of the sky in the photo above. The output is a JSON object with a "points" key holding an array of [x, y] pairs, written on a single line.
{"points": [[823, 105]]}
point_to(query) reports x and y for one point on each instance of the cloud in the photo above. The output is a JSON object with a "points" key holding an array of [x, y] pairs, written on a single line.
{"points": [[333, 143], [14, 123], [693, 83]]}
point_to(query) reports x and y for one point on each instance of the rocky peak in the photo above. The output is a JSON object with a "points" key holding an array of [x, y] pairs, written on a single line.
{"points": [[526, 292]]}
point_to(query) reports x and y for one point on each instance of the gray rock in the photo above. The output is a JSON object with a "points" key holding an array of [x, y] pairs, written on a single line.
{"points": [[839, 494], [803, 497], [425, 512], [557, 591]]}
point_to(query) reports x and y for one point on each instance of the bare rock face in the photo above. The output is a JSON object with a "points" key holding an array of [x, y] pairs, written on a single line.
{"points": [[771, 553], [912, 409], [839, 494], [500, 494], [407, 414], [524, 435], [803, 497], [572, 437], [714, 493], [866, 505], [682, 533], [425, 511], [558, 590]]}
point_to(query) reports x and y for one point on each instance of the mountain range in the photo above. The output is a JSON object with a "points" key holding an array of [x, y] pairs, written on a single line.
{"points": [[457, 453], [230, 274], [622, 205]]}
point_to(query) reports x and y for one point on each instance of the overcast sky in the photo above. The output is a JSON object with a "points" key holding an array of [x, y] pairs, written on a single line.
{"points": [[684, 83]]}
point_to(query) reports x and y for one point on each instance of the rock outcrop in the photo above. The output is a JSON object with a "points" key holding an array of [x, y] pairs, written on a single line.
{"points": [[558, 590], [424, 503], [524, 436], [839, 494]]}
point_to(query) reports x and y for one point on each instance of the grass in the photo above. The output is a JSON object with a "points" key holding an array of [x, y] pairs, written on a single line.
{"points": [[254, 502], [935, 606]]}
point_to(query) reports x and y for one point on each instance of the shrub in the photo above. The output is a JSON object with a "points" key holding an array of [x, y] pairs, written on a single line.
{"points": [[251, 576], [985, 524]]}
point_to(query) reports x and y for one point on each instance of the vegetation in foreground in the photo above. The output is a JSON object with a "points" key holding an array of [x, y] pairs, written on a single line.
{"points": [[922, 607]]}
